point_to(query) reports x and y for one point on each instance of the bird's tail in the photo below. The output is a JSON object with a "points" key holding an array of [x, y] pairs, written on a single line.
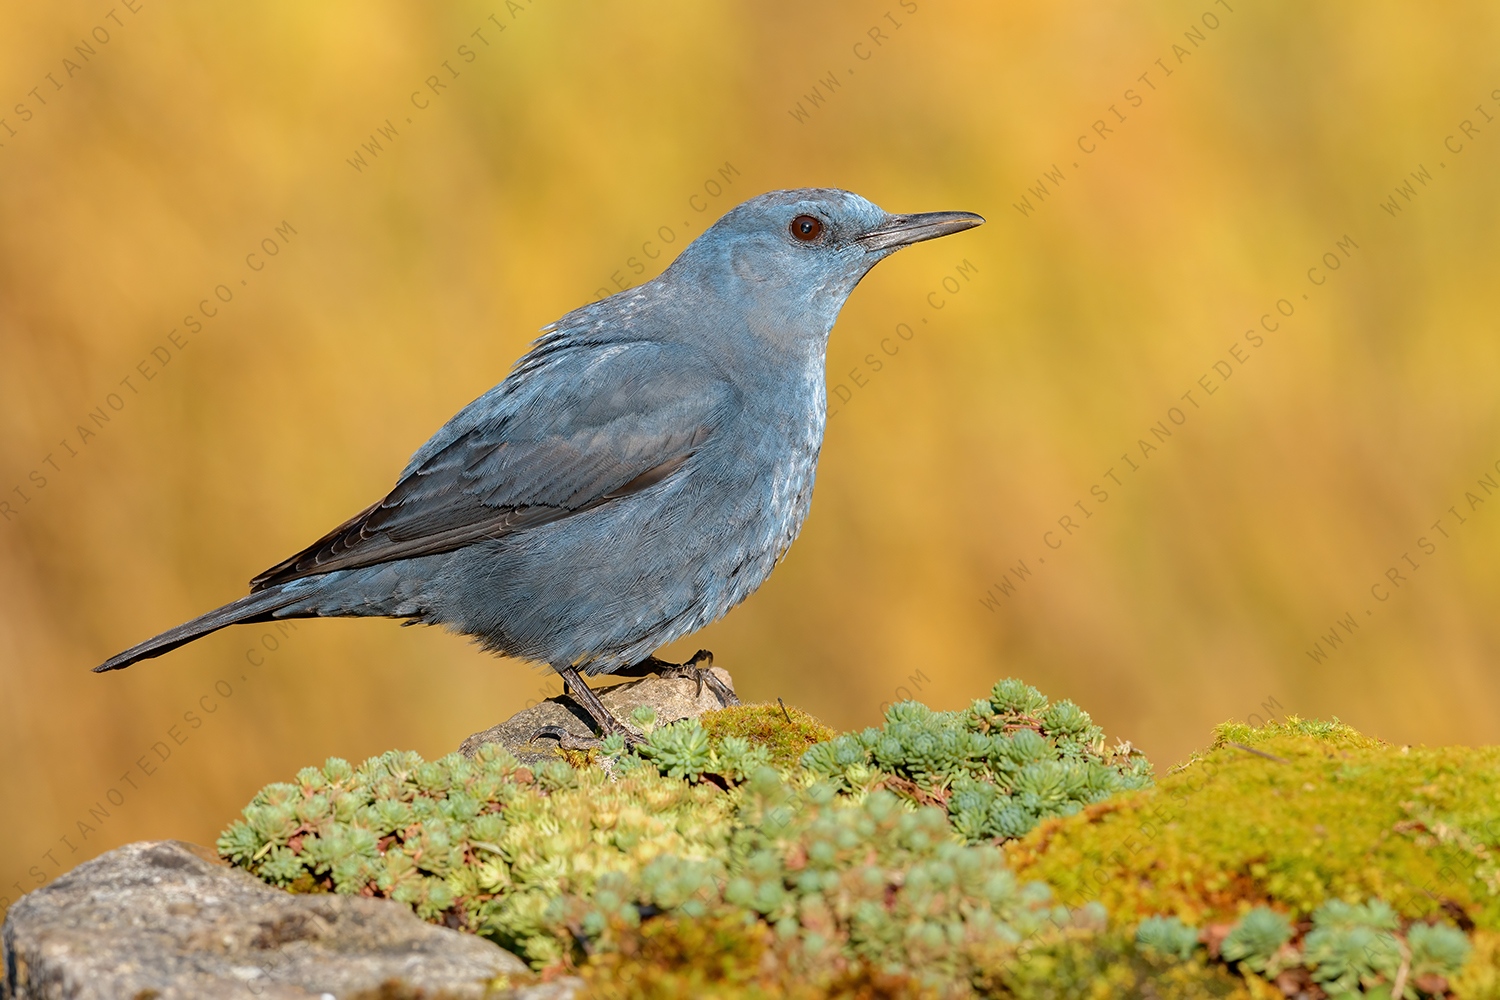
{"points": [[257, 607]]}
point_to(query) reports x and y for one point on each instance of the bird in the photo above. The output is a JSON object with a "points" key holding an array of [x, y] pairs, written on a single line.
{"points": [[638, 473]]}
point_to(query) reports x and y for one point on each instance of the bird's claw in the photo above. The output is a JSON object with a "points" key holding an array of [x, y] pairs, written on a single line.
{"points": [[699, 668]]}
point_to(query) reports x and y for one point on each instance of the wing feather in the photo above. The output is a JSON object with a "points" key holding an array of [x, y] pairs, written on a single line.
{"points": [[534, 450]]}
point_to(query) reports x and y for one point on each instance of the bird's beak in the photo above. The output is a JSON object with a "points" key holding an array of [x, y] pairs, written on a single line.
{"points": [[903, 230]]}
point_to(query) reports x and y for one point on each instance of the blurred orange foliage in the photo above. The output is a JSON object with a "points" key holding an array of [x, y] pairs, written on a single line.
{"points": [[253, 255]]}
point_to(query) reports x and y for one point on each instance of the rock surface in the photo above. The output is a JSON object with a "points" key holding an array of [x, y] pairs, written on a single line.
{"points": [[673, 698], [165, 920]]}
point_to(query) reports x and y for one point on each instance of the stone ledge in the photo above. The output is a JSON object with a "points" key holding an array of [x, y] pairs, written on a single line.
{"points": [[673, 698], [166, 920]]}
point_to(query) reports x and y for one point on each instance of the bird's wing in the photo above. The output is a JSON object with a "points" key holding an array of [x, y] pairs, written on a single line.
{"points": [[581, 428]]}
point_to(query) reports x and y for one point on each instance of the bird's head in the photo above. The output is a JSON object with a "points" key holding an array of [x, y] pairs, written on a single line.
{"points": [[800, 253]]}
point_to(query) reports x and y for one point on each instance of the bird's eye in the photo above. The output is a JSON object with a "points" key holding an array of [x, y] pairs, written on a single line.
{"points": [[807, 228]]}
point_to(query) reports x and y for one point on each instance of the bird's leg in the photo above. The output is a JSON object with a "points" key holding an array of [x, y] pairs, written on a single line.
{"points": [[589, 701], [696, 668]]}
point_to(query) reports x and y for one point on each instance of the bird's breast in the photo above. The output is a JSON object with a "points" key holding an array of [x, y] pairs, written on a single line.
{"points": [[779, 462]]}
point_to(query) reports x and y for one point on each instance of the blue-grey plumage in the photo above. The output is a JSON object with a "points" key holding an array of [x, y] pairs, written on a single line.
{"points": [[638, 473]]}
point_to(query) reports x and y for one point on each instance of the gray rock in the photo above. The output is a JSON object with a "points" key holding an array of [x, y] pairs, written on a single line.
{"points": [[165, 920], [673, 699]]}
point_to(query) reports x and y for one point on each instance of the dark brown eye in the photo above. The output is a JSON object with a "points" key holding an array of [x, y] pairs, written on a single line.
{"points": [[807, 228]]}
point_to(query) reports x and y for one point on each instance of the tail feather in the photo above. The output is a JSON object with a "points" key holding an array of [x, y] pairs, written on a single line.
{"points": [[257, 607]]}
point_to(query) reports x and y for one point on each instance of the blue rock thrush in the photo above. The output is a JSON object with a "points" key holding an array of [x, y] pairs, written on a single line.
{"points": [[637, 474]]}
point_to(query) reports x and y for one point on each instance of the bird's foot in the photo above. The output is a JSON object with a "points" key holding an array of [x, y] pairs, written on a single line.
{"points": [[696, 668], [608, 725]]}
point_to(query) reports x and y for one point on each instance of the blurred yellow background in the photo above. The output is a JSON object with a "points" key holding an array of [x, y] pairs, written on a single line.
{"points": [[253, 255]]}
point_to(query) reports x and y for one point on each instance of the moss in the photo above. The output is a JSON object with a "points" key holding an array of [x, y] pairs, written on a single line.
{"points": [[1480, 978], [786, 733], [724, 956], [673, 957], [1103, 967], [1333, 734], [1308, 813], [503, 988]]}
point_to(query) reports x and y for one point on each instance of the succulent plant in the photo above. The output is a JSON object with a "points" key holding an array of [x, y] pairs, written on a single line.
{"points": [[865, 861], [680, 750], [1352, 948], [482, 844], [1256, 939], [1353, 945], [684, 749], [871, 883], [1167, 935], [543, 860], [1001, 766], [644, 717], [844, 871], [1436, 949]]}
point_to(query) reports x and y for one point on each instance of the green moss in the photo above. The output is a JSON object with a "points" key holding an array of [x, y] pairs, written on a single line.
{"points": [[725, 956], [1107, 966], [1480, 978], [1311, 812], [674, 958], [1333, 734], [786, 733], [501, 988]]}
